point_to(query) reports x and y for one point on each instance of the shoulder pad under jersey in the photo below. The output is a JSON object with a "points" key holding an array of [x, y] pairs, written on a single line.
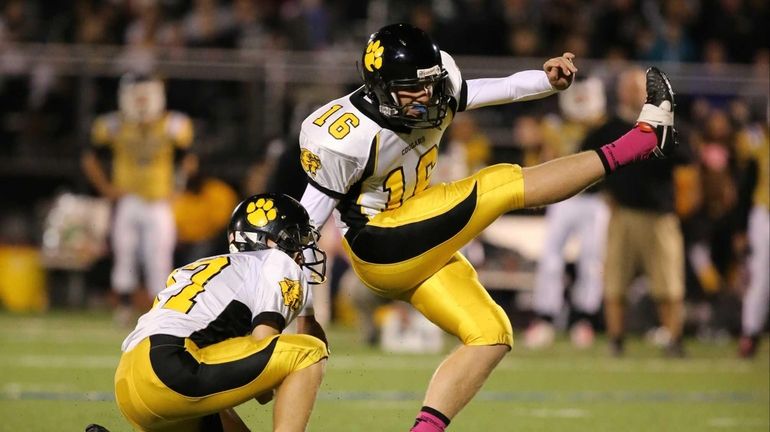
{"points": [[335, 143]]}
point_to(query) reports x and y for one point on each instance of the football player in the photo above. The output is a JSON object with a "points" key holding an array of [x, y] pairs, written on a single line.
{"points": [[213, 339], [145, 144], [369, 157], [755, 299]]}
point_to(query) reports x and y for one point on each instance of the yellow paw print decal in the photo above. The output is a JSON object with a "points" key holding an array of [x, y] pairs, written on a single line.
{"points": [[373, 57], [261, 212], [310, 162]]}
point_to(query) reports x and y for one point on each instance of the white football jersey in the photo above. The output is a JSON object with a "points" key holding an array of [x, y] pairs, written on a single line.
{"points": [[225, 296], [350, 152]]}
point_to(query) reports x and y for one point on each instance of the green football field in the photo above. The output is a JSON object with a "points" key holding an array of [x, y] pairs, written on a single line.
{"points": [[56, 375]]}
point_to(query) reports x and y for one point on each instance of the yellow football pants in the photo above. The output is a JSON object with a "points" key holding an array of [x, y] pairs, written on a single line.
{"points": [[411, 253], [208, 380]]}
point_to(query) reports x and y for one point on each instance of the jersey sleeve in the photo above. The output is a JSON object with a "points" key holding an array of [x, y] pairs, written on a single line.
{"points": [[519, 87], [318, 205], [103, 130], [282, 292], [328, 169], [179, 127], [308, 309]]}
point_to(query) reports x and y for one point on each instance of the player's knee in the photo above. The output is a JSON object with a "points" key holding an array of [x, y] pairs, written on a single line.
{"points": [[313, 349], [497, 333]]}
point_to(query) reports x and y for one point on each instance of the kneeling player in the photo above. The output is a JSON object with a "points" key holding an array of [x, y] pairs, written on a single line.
{"points": [[213, 339]]}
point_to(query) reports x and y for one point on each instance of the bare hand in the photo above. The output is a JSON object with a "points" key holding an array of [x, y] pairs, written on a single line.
{"points": [[560, 71]]}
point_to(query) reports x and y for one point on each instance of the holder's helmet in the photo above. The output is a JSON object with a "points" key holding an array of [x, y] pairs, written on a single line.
{"points": [[278, 221], [403, 57]]}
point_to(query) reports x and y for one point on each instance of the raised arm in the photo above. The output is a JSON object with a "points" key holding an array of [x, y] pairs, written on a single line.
{"points": [[557, 74], [318, 205]]}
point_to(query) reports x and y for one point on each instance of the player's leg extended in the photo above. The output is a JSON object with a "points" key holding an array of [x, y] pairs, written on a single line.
{"points": [[156, 389], [454, 300], [400, 248]]}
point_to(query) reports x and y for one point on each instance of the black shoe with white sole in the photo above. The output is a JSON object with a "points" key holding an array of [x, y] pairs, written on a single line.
{"points": [[658, 112]]}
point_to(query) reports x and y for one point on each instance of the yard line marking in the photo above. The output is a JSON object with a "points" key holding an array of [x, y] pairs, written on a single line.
{"points": [[400, 363], [733, 422], [570, 413], [61, 361], [17, 391], [659, 366]]}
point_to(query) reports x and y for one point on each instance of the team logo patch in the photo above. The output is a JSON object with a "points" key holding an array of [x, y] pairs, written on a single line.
{"points": [[260, 212], [310, 162], [292, 293], [373, 56]]}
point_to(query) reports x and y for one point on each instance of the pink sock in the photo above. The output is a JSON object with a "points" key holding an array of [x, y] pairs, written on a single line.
{"points": [[635, 145], [430, 420]]}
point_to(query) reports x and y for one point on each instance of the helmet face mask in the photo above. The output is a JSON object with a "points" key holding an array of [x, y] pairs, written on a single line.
{"points": [[141, 99], [400, 59], [274, 221]]}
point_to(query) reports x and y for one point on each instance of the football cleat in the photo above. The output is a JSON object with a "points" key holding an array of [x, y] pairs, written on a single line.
{"points": [[96, 428], [658, 112]]}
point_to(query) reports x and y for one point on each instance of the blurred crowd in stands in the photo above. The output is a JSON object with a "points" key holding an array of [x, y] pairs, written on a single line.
{"points": [[713, 194], [672, 30]]}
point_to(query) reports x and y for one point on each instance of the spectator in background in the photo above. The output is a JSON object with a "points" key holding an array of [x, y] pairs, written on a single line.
{"points": [[527, 133], [201, 213], [740, 24], [97, 24], [669, 31], [253, 22], [644, 232], [523, 41], [207, 24], [468, 149], [16, 22], [584, 215], [148, 147], [714, 226], [615, 29], [754, 139]]}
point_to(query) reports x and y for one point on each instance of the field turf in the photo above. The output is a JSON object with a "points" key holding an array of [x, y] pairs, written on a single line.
{"points": [[56, 375]]}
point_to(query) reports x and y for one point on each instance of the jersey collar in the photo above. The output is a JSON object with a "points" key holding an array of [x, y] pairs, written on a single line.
{"points": [[359, 100]]}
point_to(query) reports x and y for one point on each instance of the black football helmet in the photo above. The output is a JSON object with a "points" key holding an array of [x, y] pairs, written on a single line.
{"points": [[281, 220], [403, 57]]}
